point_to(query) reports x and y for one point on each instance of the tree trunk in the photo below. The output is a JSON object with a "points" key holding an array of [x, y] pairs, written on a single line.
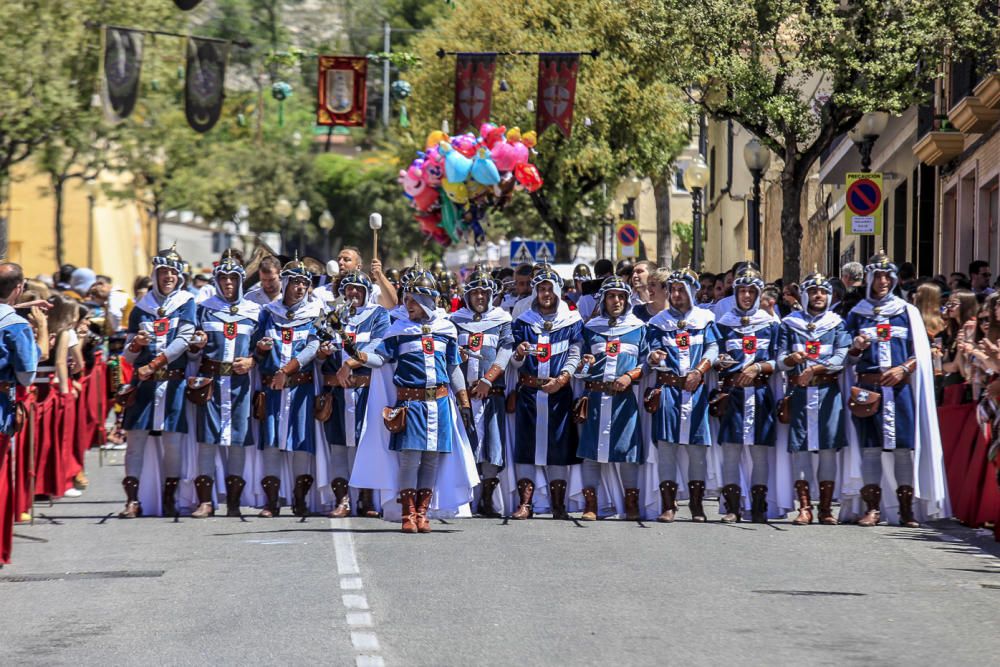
{"points": [[662, 188], [792, 184], [562, 243], [57, 192]]}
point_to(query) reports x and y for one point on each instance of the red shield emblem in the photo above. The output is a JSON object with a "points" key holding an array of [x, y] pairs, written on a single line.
{"points": [[161, 327], [544, 352], [812, 349], [427, 343], [351, 336], [287, 335], [883, 332], [476, 342], [229, 330], [612, 348], [749, 345], [683, 340]]}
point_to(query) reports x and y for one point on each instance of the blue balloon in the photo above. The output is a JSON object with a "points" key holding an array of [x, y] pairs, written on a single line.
{"points": [[484, 171], [456, 165]]}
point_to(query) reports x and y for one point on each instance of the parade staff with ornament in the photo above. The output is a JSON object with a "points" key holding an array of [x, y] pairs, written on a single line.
{"points": [[614, 345], [360, 321], [486, 345], [684, 343], [419, 416], [285, 345], [160, 328], [892, 405], [221, 390], [812, 350], [547, 340]]}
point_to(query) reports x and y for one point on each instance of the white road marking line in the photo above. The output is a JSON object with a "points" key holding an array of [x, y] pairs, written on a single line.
{"points": [[364, 641]]}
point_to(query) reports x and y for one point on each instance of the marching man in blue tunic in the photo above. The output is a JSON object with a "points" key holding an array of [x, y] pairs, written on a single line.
{"points": [[812, 349], [159, 330], [433, 458], [362, 322], [750, 337], [222, 391], [893, 400], [486, 345], [285, 346], [547, 337], [684, 344], [18, 349], [614, 346]]}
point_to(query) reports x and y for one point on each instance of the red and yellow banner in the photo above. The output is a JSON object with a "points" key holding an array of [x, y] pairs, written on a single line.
{"points": [[473, 89], [342, 90], [556, 91]]}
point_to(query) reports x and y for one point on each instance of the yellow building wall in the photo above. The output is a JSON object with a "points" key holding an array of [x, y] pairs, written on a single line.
{"points": [[122, 237]]}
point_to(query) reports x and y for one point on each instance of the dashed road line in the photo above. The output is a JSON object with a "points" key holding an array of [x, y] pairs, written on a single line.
{"points": [[357, 612]]}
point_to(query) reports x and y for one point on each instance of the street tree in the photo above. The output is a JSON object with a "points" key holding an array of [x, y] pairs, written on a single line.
{"points": [[800, 73]]}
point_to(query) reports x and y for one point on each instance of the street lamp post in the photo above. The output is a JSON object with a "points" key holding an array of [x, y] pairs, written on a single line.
{"points": [[866, 132], [302, 214], [695, 178], [326, 223], [757, 159], [283, 209]]}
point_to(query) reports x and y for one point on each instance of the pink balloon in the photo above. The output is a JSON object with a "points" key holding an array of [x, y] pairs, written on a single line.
{"points": [[465, 144], [485, 129], [504, 156], [411, 181], [433, 169], [521, 153]]}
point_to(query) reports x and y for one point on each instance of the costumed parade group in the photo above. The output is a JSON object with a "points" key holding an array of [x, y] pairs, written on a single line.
{"points": [[324, 400]]}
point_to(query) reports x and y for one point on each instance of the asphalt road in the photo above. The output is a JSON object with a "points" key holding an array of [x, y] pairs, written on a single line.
{"points": [[86, 588]]}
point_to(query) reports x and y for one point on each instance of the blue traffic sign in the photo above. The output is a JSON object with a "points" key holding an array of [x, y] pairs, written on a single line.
{"points": [[529, 252]]}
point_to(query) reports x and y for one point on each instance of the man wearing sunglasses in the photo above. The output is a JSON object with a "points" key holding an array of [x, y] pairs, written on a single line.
{"points": [[979, 276]]}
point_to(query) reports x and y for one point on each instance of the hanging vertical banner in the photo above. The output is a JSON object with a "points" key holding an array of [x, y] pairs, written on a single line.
{"points": [[204, 79], [342, 90], [473, 89], [122, 63], [556, 91]]}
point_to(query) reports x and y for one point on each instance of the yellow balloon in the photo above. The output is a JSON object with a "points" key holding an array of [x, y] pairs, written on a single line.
{"points": [[457, 192], [435, 138], [530, 139], [475, 188], [514, 134]]}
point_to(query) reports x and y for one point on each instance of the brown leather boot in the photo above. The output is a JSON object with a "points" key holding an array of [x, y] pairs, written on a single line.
{"points": [[408, 499], [342, 498], [758, 503], [668, 500], [906, 518], [366, 504], [589, 505], [632, 512], [486, 507], [423, 502], [203, 487], [731, 494], [234, 489], [271, 486], [826, 504], [133, 508], [696, 489], [872, 495], [526, 490], [170, 496], [805, 516], [557, 493], [302, 485]]}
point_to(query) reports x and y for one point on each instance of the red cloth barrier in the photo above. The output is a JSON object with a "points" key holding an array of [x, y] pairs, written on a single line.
{"points": [[25, 469], [6, 500], [972, 484]]}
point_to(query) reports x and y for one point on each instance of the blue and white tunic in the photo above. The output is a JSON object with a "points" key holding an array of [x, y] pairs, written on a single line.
{"points": [[225, 419], [366, 328], [887, 325], [489, 341], [612, 433], [750, 415], [288, 420], [816, 412], [687, 339], [159, 404], [544, 430], [18, 362], [423, 354]]}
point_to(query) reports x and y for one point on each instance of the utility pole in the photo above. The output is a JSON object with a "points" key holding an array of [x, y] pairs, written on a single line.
{"points": [[386, 47]]}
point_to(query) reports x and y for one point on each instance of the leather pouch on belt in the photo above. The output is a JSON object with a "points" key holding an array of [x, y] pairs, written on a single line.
{"points": [[718, 402], [512, 402], [785, 410], [394, 418], [125, 397], [652, 400], [259, 405], [199, 390], [323, 407], [864, 402], [580, 409]]}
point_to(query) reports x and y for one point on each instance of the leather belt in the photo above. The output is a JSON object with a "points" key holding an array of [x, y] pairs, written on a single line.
{"points": [[760, 380], [531, 381], [670, 379], [603, 387], [498, 390], [355, 381], [302, 377], [166, 375], [421, 393], [212, 367], [876, 379], [815, 380]]}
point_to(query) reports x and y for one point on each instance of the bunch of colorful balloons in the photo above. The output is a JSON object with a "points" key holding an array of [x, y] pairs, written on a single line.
{"points": [[456, 180]]}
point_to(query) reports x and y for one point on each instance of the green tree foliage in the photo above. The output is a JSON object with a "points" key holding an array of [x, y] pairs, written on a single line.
{"points": [[800, 73], [628, 118]]}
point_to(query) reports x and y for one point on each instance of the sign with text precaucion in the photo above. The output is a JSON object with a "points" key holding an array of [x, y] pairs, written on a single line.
{"points": [[864, 203]]}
